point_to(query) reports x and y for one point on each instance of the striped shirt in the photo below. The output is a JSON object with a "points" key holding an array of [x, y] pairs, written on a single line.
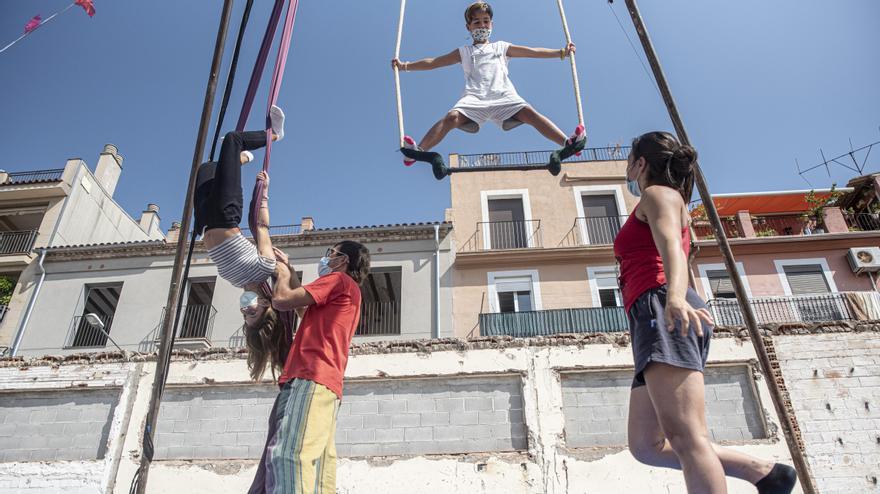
{"points": [[239, 263]]}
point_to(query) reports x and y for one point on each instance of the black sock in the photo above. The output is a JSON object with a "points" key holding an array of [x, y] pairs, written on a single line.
{"points": [[780, 480]]}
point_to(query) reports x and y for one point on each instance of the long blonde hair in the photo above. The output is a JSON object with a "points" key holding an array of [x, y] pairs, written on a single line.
{"points": [[267, 345]]}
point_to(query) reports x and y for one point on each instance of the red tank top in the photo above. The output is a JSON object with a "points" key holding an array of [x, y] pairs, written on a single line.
{"points": [[641, 267]]}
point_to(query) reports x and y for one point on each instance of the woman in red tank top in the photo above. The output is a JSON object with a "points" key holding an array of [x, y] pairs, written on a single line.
{"points": [[670, 329]]}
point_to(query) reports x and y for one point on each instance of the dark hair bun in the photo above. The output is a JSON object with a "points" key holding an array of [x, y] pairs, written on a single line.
{"points": [[684, 156]]}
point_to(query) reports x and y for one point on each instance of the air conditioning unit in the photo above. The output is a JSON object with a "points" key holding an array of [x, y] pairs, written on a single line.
{"points": [[864, 259]]}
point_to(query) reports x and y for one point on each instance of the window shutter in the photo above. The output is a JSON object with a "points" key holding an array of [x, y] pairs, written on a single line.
{"points": [[720, 284], [520, 284], [806, 279]]}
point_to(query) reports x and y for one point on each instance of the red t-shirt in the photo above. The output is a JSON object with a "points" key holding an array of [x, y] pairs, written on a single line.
{"points": [[641, 266], [320, 346]]}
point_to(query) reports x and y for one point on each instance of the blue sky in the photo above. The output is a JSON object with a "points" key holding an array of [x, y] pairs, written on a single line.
{"points": [[759, 84]]}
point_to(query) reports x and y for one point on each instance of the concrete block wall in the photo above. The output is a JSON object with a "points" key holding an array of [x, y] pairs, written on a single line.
{"points": [[834, 384], [69, 425], [214, 422], [376, 418], [401, 383], [62, 425], [596, 403], [432, 416]]}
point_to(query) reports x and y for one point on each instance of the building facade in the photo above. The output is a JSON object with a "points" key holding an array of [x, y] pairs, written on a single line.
{"points": [[125, 285], [71, 205]]}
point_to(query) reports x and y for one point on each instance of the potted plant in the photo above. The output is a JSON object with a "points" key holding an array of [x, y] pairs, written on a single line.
{"points": [[815, 204]]}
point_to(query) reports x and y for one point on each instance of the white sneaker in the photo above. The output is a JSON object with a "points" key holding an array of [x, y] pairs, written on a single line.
{"points": [[409, 143], [276, 117]]}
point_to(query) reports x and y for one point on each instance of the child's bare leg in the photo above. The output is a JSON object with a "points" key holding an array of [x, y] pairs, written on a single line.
{"points": [[452, 120], [548, 129]]}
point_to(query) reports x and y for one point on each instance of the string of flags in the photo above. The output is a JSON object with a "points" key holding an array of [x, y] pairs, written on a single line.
{"points": [[37, 21]]}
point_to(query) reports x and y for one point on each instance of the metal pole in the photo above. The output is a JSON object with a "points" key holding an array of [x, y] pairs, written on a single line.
{"points": [[174, 288], [797, 456]]}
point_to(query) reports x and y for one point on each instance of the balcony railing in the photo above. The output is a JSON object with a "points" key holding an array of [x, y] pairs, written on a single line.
{"points": [[538, 158], [379, 318], [778, 310], [864, 222], [598, 230], [500, 235], [2, 312], [703, 230], [783, 225], [19, 242], [197, 322], [556, 321], [84, 335], [35, 176], [277, 230]]}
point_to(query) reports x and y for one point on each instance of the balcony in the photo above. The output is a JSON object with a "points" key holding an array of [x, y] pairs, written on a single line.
{"points": [[781, 310], [34, 176], [84, 335], [275, 230], [864, 222], [505, 235], [379, 319], [19, 242], [555, 321], [195, 327], [599, 230], [532, 159]]}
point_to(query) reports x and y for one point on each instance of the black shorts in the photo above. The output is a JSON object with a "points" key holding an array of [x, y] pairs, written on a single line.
{"points": [[651, 342]]}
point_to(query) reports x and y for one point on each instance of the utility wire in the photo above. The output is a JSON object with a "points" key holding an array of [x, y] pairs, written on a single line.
{"points": [[635, 52]]}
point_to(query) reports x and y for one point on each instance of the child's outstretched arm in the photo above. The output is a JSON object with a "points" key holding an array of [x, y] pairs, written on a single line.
{"points": [[515, 51], [261, 235], [450, 58]]}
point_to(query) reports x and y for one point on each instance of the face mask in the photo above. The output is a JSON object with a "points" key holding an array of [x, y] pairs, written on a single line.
{"points": [[481, 34], [248, 299], [324, 266], [633, 186]]}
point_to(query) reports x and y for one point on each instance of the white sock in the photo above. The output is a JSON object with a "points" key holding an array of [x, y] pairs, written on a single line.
{"points": [[247, 157], [276, 116]]}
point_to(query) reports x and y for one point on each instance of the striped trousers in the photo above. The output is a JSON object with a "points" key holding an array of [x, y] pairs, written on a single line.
{"points": [[300, 453]]}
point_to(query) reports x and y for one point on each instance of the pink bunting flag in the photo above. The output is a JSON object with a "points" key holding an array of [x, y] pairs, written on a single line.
{"points": [[88, 5], [33, 24]]}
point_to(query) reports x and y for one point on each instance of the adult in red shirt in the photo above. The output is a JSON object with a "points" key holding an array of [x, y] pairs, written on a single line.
{"points": [[670, 329], [300, 454]]}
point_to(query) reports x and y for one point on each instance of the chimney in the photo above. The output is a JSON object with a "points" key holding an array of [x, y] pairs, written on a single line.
{"points": [[307, 223], [109, 168], [150, 219], [173, 233]]}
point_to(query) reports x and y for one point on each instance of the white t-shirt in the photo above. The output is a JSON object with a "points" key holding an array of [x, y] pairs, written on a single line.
{"points": [[486, 80]]}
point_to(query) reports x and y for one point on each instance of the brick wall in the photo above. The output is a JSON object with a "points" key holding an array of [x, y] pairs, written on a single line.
{"points": [[387, 417], [61, 425], [834, 384], [595, 405]]}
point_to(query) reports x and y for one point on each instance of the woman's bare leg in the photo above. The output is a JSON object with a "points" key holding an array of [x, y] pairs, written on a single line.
{"points": [[678, 399], [648, 444]]}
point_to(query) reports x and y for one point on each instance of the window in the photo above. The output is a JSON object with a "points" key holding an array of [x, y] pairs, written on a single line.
{"points": [[603, 286], [198, 313], [100, 300], [805, 279], [380, 303], [720, 285], [514, 294], [507, 225], [601, 218], [514, 291]]}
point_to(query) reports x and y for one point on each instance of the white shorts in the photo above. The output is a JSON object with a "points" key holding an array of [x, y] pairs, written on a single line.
{"points": [[496, 114]]}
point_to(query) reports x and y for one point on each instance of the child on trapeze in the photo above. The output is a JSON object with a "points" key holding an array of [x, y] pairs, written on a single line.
{"points": [[489, 94]]}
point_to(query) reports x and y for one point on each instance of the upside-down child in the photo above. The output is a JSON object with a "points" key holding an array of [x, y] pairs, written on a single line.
{"points": [[218, 211], [488, 95]]}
